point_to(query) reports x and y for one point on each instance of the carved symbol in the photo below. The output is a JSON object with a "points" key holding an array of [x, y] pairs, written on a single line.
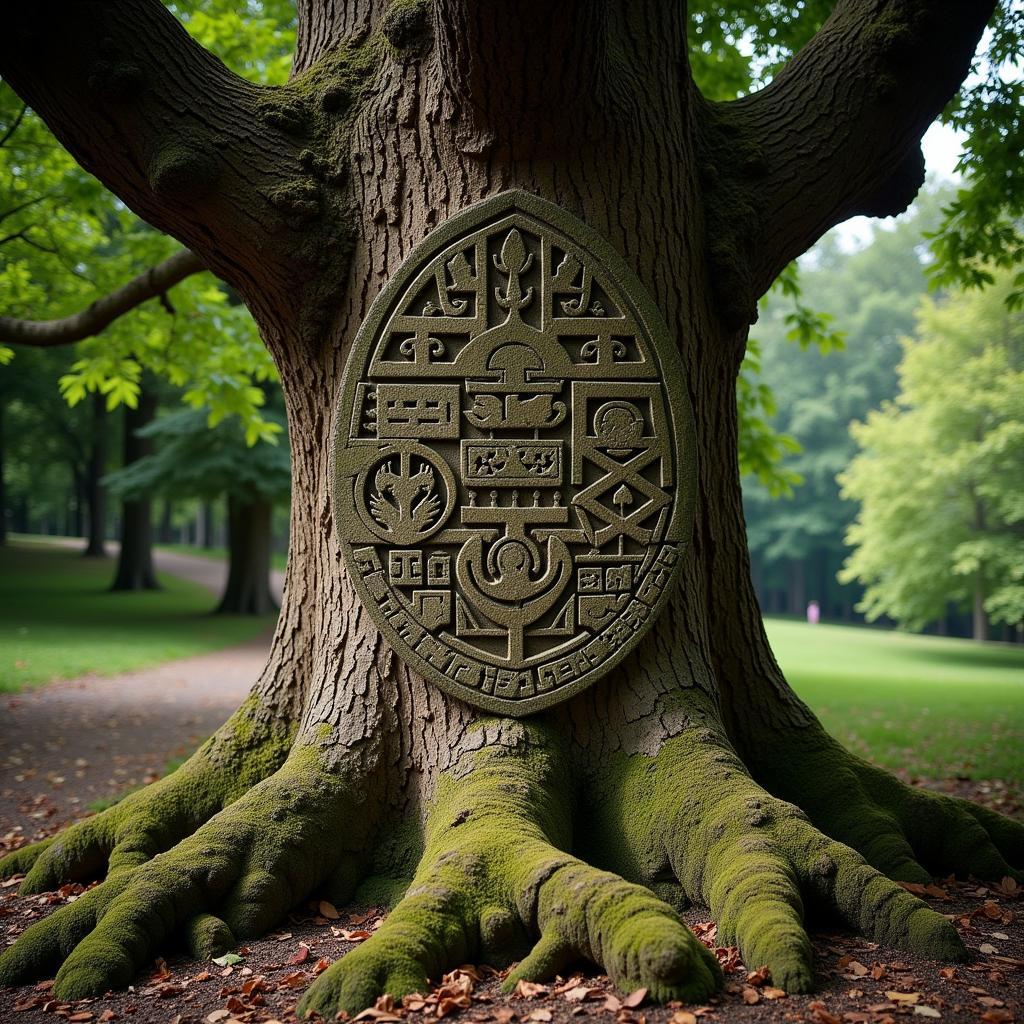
{"points": [[407, 498], [512, 478]]}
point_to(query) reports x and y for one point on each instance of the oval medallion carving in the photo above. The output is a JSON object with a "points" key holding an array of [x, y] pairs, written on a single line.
{"points": [[513, 470]]}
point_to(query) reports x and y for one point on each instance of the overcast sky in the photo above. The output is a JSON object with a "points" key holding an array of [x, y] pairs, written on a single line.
{"points": [[941, 147]]}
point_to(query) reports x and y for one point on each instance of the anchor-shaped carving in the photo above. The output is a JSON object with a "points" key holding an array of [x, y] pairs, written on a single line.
{"points": [[515, 261], [505, 586]]}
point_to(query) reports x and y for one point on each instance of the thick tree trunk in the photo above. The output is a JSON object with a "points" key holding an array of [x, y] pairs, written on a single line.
{"points": [[135, 559], [662, 757], [95, 492], [249, 548]]}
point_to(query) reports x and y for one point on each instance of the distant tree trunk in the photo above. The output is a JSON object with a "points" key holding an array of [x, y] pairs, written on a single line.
{"points": [[249, 546], [79, 487], [797, 587], [135, 561], [165, 531], [3, 482], [94, 490], [979, 620], [206, 519], [21, 516]]}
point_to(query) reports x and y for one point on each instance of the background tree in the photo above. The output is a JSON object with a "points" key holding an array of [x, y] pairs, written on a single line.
{"points": [[135, 556], [74, 262], [194, 460], [305, 198], [940, 476], [50, 464], [797, 540]]}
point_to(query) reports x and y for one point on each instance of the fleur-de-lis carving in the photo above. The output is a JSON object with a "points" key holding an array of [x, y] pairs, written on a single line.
{"points": [[514, 262]]}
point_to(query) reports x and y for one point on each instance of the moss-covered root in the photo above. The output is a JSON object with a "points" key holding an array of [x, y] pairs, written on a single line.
{"points": [[755, 859], [493, 873], [236, 876], [903, 831], [248, 748]]}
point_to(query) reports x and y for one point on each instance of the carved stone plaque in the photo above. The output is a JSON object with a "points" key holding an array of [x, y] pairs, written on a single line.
{"points": [[513, 457]]}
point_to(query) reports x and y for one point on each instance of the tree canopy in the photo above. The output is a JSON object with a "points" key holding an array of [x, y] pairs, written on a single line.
{"points": [[940, 475]]}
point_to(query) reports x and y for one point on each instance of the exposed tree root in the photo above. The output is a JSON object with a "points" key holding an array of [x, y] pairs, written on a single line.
{"points": [[234, 877], [494, 872], [245, 750], [694, 811], [908, 833], [222, 849]]}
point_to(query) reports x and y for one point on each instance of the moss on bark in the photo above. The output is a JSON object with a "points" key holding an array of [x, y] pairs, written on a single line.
{"points": [[249, 864], [906, 832], [249, 747], [694, 812], [478, 894]]}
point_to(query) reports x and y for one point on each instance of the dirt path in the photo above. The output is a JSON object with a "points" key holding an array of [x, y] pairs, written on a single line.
{"points": [[211, 573], [65, 745]]}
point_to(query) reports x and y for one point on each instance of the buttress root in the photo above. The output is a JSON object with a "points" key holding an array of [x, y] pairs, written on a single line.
{"points": [[495, 884]]}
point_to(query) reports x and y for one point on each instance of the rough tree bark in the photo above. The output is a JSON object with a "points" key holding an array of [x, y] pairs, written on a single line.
{"points": [[247, 591], [135, 559], [691, 771]]}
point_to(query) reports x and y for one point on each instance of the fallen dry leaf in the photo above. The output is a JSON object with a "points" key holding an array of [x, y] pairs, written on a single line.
{"points": [[582, 993], [300, 956], [908, 998], [750, 995], [328, 910], [529, 989], [635, 999]]}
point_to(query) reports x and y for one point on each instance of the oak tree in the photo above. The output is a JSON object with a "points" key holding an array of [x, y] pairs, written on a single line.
{"points": [[689, 771]]}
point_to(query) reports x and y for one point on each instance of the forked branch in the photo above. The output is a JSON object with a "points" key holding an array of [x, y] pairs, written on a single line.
{"points": [[836, 134], [192, 148], [100, 314]]}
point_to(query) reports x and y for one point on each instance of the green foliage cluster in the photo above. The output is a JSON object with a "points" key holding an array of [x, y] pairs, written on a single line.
{"points": [[66, 241], [983, 227], [193, 459], [873, 293], [940, 475]]}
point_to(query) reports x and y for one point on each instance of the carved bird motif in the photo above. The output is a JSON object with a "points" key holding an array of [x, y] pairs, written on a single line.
{"points": [[405, 505]]}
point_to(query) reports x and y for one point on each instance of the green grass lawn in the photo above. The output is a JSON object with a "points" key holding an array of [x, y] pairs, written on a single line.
{"points": [[935, 706], [58, 620]]}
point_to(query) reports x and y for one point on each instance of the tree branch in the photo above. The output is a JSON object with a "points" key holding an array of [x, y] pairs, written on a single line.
{"points": [[836, 134], [154, 283], [15, 124], [192, 148]]}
